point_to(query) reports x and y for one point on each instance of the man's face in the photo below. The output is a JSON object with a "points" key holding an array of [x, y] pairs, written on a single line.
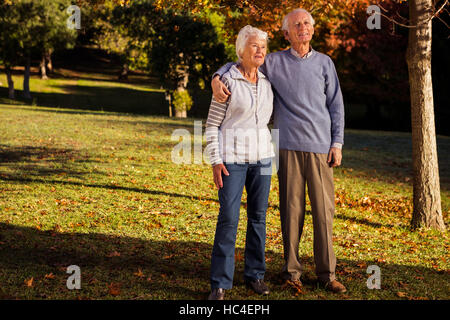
{"points": [[300, 29]]}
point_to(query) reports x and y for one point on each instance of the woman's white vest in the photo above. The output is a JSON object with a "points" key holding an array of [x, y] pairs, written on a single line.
{"points": [[244, 135]]}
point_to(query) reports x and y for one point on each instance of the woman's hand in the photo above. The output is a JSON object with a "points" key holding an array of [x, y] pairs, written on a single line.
{"points": [[220, 90], [217, 173]]}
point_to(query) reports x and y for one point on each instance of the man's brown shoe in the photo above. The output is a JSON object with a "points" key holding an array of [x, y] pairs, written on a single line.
{"points": [[296, 285], [334, 286]]}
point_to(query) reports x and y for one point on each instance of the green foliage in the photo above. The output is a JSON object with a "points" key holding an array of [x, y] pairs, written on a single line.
{"points": [[32, 27], [184, 41], [9, 35], [218, 21], [54, 33], [182, 100], [112, 36], [165, 42]]}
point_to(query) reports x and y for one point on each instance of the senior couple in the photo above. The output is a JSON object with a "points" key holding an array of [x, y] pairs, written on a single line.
{"points": [[302, 87]]}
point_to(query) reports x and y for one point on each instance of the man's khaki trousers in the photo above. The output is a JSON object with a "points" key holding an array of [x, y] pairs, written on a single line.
{"points": [[296, 170]]}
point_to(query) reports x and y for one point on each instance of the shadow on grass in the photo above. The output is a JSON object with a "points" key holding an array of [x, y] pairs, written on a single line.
{"points": [[167, 126], [361, 221], [32, 163], [387, 156], [6, 177], [176, 195], [98, 98], [40, 161], [156, 269]]}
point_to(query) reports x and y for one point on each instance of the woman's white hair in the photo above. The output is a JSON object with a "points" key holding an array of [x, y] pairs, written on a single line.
{"points": [[245, 33], [285, 26]]}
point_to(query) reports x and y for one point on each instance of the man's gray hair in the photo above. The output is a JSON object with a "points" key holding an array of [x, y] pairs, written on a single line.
{"points": [[245, 33], [286, 18]]}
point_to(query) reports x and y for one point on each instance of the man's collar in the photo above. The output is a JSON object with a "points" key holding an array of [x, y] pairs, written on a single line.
{"points": [[296, 54]]}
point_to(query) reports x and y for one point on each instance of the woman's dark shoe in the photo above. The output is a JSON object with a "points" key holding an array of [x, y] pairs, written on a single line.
{"points": [[217, 294], [258, 286]]}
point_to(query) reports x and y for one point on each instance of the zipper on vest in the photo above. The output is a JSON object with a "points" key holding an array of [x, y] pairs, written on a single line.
{"points": [[256, 99]]}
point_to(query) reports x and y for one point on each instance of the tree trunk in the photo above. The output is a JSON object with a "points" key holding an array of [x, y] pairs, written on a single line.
{"points": [[180, 111], [180, 114], [26, 78], [427, 210], [168, 97], [43, 68], [183, 78], [123, 75], [48, 58], [8, 72]]}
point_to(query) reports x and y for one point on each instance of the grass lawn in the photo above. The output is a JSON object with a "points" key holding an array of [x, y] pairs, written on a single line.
{"points": [[97, 189]]}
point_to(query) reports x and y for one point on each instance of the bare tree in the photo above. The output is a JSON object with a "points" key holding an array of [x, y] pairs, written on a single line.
{"points": [[426, 195], [427, 211]]}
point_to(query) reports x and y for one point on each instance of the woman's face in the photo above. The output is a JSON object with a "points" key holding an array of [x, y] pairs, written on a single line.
{"points": [[254, 51]]}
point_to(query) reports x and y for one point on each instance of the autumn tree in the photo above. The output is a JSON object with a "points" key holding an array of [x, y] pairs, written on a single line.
{"points": [[426, 189], [372, 70], [427, 210]]}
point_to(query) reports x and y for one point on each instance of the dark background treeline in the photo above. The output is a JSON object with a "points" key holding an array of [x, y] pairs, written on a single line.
{"points": [[178, 47]]}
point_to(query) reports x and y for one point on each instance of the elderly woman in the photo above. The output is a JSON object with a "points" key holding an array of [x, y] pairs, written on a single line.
{"points": [[240, 150]]}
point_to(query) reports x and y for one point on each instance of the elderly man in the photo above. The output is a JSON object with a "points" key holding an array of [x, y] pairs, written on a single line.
{"points": [[309, 114]]}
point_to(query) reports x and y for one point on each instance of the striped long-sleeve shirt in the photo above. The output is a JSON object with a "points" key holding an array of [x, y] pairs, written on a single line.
{"points": [[216, 114]]}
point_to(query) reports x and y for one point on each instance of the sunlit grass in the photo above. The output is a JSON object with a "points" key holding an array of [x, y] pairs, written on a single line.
{"points": [[99, 190]]}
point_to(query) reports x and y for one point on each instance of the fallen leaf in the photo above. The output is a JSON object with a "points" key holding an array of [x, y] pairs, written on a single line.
{"points": [[139, 273], [362, 265], [114, 289], [114, 254], [29, 282]]}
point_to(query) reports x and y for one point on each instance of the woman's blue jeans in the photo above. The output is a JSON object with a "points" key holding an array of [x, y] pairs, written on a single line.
{"points": [[256, 178]]}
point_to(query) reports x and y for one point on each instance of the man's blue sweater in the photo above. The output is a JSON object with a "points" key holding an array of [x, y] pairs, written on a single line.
{"points": [[308, 103]]}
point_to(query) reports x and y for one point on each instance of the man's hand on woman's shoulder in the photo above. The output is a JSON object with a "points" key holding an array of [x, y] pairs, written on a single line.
{"points": [[220, 90]]}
